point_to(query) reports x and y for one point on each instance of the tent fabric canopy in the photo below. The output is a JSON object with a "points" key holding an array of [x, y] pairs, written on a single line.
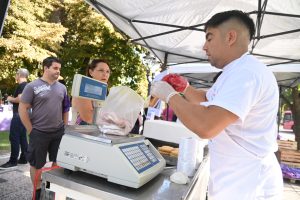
{"points": [[173, 29]]}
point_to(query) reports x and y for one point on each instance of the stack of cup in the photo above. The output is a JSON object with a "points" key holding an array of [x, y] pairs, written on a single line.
{"points": [[187, 158]]}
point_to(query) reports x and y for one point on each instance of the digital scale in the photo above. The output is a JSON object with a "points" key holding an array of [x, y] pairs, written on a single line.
{"points": [[89, 88], [126, 160]]}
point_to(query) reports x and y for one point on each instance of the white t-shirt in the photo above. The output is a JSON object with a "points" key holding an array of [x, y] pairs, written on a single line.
{"points": [[248, 89]]}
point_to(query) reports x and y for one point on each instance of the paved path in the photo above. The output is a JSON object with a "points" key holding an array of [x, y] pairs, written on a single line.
{"points": [[15, 183]]}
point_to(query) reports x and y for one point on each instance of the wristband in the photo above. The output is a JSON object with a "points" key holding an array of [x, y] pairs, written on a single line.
{"points": [[170, 95]]}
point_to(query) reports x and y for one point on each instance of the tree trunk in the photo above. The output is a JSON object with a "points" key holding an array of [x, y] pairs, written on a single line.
{"points": [[296, 115]]}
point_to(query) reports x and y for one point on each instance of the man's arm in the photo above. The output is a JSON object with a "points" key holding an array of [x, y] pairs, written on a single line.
{"points": [[195, 96], [14, 99], [66, 108], [207, 122], [24, 115], [66, 118]]}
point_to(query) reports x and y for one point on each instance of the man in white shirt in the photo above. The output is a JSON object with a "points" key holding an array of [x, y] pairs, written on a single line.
{"points": [[238, 114]]}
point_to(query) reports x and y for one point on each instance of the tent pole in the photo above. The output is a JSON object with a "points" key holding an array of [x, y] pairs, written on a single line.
{"points": [[4, 4], [164, 65]]}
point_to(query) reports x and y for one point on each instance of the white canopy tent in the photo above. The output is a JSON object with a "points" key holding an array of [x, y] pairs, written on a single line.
{"points": [[287, 75], [173, 29]]}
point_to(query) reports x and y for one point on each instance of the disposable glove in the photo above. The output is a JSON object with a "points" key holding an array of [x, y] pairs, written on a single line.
{"points": [[179, 83], [162, 90]]}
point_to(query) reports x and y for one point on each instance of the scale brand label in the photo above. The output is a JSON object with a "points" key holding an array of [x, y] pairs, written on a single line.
{"points": [[76, 156]]}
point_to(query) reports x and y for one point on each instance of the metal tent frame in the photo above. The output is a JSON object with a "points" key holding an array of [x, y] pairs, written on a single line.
{"points": [[258, 14], [133, 32]]}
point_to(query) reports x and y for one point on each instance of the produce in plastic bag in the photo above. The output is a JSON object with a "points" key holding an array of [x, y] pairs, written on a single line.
{"points": [[177, 82], [120, 111]]}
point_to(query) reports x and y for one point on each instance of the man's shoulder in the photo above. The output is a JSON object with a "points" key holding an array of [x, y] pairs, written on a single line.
{"points": [[60, 85], [32, 86], [258, 68], [23, 84], [250, 66], [252, 62], [34, 83]]}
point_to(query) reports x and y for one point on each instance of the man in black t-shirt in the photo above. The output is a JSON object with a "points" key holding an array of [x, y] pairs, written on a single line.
{"points": [[17, 134]]}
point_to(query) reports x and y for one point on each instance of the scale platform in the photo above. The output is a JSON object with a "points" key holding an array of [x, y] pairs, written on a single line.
{"points": [[91, 132], [127, 160]]}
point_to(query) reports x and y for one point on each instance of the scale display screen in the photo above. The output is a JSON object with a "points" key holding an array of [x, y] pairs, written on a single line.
{"points": [[92, 89], [140, 156]]}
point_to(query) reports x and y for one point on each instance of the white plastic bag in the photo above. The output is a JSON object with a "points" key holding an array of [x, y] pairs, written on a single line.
{"points": [[120, 111]]}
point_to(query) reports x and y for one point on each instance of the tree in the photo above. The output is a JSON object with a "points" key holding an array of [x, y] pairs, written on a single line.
{"points": [[291, 97], [296, 113], [91, 36], [71, 30], [28, 37]]}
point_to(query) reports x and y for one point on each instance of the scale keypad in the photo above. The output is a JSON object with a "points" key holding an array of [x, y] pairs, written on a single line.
{"points": [[140, 156]]}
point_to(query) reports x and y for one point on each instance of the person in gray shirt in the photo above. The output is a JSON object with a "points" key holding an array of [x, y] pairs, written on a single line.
{"points": [[46, 97]]}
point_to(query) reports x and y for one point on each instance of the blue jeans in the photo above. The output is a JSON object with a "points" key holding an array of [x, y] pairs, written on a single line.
{"points": [[17, 137]]}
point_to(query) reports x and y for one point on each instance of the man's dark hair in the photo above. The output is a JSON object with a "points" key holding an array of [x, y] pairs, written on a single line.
{"points": [[222, 17], [47, 62]]}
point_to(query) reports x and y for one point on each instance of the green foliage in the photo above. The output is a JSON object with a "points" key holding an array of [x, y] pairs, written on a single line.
{"points": [[4, 140], [90, 36], [28, 37], [71, 30]]}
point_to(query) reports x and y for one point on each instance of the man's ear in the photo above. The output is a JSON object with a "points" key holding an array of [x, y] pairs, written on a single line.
{"points": [[231, 37]]}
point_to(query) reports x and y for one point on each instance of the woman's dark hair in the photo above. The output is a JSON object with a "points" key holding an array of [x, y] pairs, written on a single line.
{"points": [[222, 17], [93, 65]]}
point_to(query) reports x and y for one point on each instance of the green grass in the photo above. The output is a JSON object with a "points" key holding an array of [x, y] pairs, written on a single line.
{"points": [[4, 140]]}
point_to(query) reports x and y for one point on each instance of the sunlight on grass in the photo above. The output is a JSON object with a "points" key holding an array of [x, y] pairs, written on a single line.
{"points": [[4, 140]]}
